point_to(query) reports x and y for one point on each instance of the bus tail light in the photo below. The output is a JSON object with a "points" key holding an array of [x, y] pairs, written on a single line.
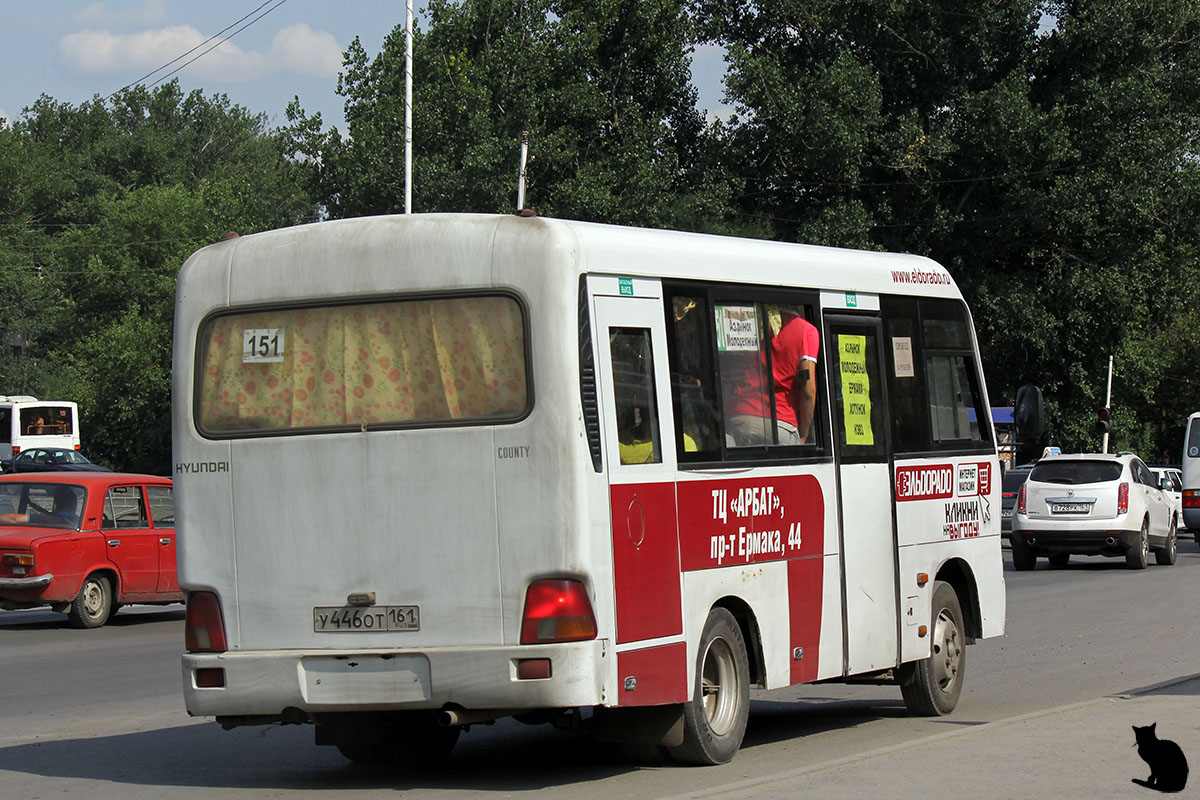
{"points": [[557, 611], [204, 628], [1191, 498], [1123, 499], [1021, 500]]}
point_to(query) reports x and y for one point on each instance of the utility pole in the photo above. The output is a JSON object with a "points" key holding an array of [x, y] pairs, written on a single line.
{"points": [[1107, 407], [408, 81]]}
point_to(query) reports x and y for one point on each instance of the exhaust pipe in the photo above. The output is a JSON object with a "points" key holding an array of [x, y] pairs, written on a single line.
{"points": [[450, 717]]}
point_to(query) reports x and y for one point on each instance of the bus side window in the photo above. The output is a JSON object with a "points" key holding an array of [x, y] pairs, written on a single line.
{"points": [[955, 407], [692, 379], [633, 389], [906, 388], [5, 425]]}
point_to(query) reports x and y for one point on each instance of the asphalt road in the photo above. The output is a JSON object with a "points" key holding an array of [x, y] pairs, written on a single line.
{"points": [[99, 713]]}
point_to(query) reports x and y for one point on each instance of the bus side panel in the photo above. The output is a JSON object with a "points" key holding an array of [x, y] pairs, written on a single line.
{"points": [[659, 674], [947, 508], [804, 607], [744, 535], [646, 561]]}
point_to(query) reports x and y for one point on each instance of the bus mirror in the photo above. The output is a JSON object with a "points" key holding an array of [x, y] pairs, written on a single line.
{"points": [[1028, 416]]}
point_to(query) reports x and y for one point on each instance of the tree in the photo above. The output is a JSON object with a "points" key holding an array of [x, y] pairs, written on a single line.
{"points": [[1044, 152], [602, 88], [116, 195]]}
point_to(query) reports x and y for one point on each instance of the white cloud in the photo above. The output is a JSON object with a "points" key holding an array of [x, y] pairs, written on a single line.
{"points": [[102, 51], [298, 48], [149, 13]]}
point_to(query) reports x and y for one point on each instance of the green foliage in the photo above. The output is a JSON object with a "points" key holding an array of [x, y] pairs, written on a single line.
{"points": [[602, 89], [1045, 151], [111, 199]]}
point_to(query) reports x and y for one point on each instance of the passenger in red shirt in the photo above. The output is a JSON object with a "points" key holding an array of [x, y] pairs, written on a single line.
{"points": [[794, 353]]}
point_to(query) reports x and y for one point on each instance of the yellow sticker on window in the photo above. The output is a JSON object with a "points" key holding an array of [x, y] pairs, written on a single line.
{"points": [[856, 389]]}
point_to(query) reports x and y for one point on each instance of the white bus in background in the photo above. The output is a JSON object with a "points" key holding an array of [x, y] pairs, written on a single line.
{"points": [[27, 422], [1191, 475], [436, 470]]}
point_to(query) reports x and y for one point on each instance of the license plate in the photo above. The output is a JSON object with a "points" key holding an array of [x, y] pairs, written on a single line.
{"points": [[1070, 508], [344, 619]]}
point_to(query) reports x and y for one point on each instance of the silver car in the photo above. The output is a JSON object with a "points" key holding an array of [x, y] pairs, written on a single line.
{"points": [[1093, 504]]}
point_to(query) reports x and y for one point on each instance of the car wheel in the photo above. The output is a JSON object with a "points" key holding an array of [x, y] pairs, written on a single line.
{"points": [[714, 719], [1022, 555], [1059, 560], [93, 605], [1138, 556], [933, 687], [1170, 552]]}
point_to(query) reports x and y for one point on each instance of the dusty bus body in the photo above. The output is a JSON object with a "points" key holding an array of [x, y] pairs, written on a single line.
{"points": [[438, 469]]}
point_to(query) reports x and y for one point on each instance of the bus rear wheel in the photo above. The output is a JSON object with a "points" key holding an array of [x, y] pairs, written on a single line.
{"points": [[715, 717], [414, 738], [935, 683]]}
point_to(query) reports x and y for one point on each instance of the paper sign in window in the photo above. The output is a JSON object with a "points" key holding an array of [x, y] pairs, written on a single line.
{"points": [[902, 356], [737, 329], [262, 345], [856, 389]]}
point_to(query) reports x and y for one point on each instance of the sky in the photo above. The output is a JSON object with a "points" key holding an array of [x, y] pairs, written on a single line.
{"points": [[73, 50]]}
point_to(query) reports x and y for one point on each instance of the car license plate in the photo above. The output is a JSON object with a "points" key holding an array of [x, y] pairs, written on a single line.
{"points": [[1070, 508], [353, 619]]}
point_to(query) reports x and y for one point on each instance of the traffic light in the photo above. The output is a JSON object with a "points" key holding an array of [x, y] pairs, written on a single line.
{"points": [[1102, 419]]}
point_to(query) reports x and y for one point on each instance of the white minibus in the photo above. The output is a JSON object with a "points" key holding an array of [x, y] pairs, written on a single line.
{"points": [[1191, 475], [436, 470], [27, 422]]}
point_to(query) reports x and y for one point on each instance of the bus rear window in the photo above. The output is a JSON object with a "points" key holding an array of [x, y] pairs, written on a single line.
{"points": [[422, 362]]}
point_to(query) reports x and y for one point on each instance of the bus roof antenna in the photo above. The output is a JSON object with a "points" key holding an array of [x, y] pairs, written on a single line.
{"points": [[521, 174]]}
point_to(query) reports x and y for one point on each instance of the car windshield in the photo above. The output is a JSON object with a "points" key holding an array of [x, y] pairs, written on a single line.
{"points": [[1067, 471], [41, 505]]}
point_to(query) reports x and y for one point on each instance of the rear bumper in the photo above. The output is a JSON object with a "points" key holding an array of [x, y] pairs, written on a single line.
{"points": [[268, 683], [1077, 541], [33, 582], [1191, 519]]}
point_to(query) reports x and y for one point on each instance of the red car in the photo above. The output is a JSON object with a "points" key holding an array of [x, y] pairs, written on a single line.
{"points": [[86, 543]]}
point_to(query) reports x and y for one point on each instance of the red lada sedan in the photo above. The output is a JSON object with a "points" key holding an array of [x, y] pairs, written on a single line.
{"points": [[86, 543]]}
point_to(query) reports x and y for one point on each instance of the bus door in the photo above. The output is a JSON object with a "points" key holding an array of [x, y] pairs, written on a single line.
{"points": [[639, 456], [868, 537]]}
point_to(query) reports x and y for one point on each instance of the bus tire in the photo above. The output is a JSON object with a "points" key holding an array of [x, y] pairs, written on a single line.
{"points": [[714, 719], [362, 753], [414, 738], [935, 683], [93, 605]]}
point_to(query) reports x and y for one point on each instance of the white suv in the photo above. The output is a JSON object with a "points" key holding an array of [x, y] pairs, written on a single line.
{"points": [[1093, 504]]}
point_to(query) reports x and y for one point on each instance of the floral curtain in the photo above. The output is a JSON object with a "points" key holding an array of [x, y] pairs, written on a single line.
{"points": [[413, 361]]}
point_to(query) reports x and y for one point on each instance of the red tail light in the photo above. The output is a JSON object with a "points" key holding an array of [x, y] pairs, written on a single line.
{"points": [[557, 611], [1021, 500], [1191, 498], [1123, 499], [204, 628]]}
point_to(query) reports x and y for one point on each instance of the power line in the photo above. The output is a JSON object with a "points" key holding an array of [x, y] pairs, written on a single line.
{"points": [[278, 3]]}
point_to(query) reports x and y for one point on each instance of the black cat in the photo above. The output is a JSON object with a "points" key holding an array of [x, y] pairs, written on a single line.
{"points": [[1168, 767]]}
